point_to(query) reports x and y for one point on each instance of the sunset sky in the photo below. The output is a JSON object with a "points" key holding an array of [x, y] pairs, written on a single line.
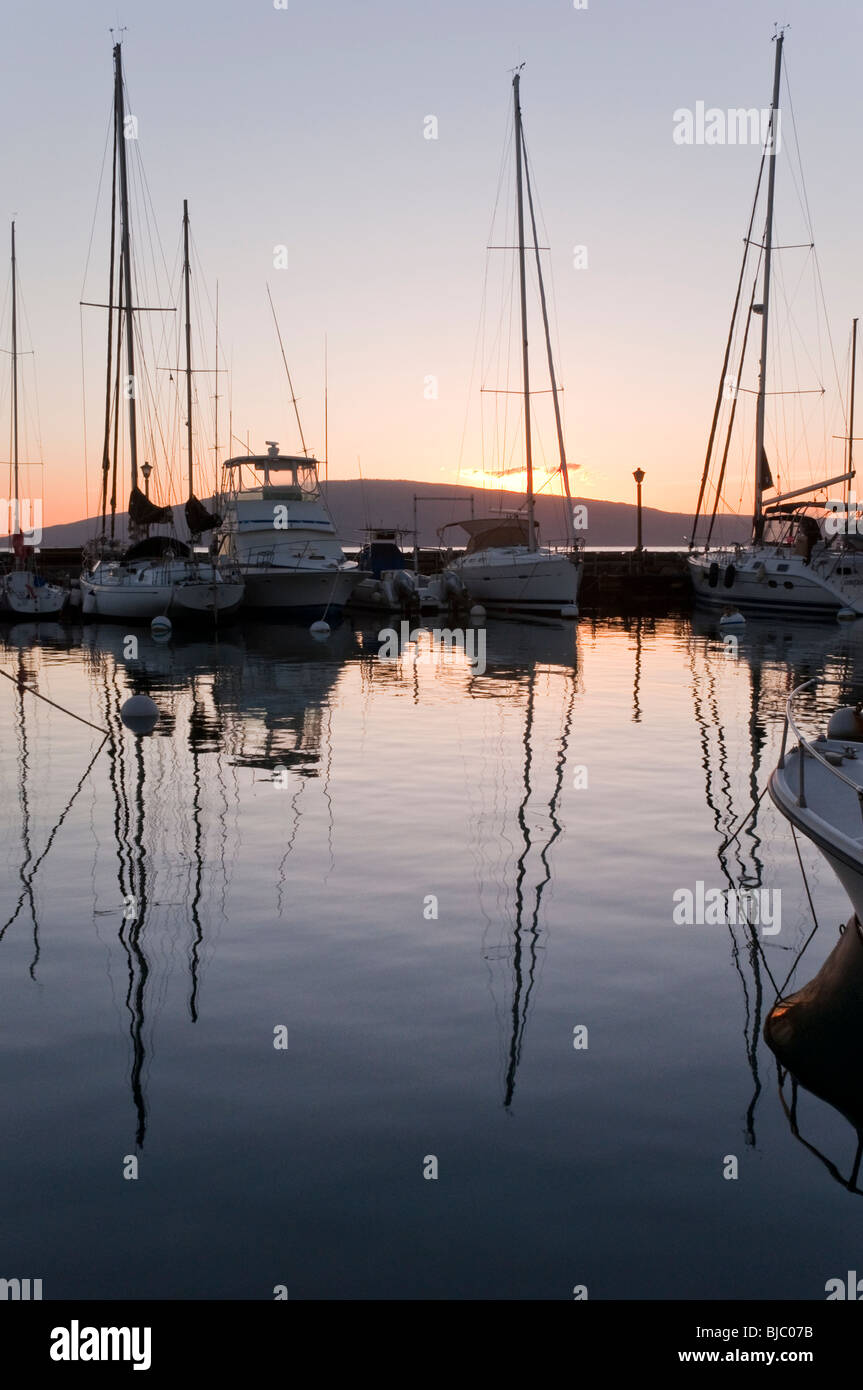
{"points": [[304, 127]]}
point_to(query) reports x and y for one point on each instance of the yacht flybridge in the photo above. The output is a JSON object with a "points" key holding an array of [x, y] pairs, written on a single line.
{"points": [[504, 567], [278, 530], [792, 563]]}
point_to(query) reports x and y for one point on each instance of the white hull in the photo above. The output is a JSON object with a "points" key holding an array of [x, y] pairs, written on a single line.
{"points": [[773, 580], [21, 595], [831, 814], [138, 596], [223, 598], [519, 580], [851, 880], [122, 601], [300, 591]]}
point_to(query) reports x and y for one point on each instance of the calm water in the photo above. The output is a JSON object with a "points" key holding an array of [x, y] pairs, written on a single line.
{"points": [[268, 858]]}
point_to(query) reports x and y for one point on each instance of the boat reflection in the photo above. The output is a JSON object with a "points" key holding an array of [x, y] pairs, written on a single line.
{"points": [[816, 1035], [538, 667], [779, 655]]}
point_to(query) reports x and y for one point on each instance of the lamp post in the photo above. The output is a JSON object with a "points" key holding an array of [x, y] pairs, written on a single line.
{"points": [[638, 475], [147, 470]]}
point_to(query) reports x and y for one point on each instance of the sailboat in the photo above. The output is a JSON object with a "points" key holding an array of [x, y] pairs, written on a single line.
{"points": [[815, 1034], [23, 590], [154, 575], [791, 565], [504, 567]]}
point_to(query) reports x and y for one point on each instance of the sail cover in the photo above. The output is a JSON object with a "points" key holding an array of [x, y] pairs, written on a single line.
{"points": [[493, 531], [143, 512], [198, 518]]}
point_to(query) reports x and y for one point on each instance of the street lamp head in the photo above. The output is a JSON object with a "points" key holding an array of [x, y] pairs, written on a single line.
{"points": [[638, 475], [147, 469]]}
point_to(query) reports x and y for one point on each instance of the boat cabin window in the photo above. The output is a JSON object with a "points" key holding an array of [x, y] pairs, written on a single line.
{"points": [[294, 476]]}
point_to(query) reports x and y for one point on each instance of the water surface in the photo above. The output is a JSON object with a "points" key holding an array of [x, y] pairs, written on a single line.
{"points": [[430, 878]]}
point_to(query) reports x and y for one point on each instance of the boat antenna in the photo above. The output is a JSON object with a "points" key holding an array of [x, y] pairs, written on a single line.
{"points": [[288, 373]]}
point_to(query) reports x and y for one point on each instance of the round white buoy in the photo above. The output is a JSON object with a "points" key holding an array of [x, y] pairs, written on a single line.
{"points": [[845, 723], [320, 629], [734, 619], [846, 615], [140, 714], [160, 624], [570, 611], [477, 611]]}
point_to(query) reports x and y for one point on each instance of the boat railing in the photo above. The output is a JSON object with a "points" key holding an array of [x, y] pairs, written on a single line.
{"points": [[262, 557], [807, 749]]}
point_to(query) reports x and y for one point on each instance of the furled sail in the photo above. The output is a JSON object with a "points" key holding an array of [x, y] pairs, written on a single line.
{"points": [[198, 518], [143, 512]]}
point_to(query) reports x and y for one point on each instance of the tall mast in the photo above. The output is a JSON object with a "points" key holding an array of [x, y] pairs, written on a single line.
{"points": [[570, 531], [765, 305], [119, 114], [531, 537], [216, 399], [15, 385], [186, 278], [849, 470], [326, 421], [106, 444]]}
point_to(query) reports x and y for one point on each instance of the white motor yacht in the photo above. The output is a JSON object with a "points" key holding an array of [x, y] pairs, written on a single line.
{"points": [[279, 532]]}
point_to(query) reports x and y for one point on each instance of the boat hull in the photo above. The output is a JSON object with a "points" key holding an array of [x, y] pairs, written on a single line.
{"points": [[23, 597], [772, 583], [299, 593], [182, 601], [520, 581], [222, 599], [830, 817]]}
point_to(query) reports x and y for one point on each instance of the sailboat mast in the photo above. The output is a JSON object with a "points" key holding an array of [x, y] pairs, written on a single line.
{"points": [[15, 385], [765, 305], [326, 417], [216, 399], [106, 443], [186, 279], [564, 473], [531, 536], [849, 469], [126, 260]]}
